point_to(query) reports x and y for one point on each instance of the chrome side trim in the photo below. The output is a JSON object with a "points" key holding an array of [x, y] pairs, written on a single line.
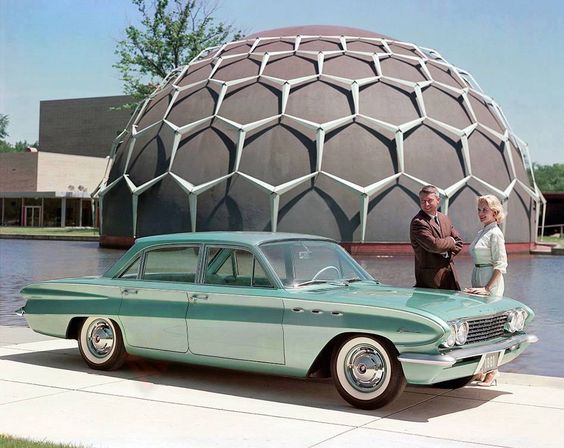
{"points": [[449, 358]]}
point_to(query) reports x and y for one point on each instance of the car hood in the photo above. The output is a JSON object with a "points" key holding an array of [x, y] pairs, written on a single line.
{"points": [[447, 305]]}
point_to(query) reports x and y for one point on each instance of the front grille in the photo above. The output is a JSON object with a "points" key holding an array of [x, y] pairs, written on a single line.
{"points": [[486, 328]]}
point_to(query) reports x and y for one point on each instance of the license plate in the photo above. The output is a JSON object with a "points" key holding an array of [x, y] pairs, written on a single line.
{"points": [[490, 362]]}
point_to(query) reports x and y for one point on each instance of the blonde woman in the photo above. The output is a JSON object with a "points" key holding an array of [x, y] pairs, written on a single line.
{"points": [[488, 249], [490, 260]]}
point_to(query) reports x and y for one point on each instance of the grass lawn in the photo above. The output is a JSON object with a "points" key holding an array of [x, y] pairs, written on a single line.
{"points": [[552, 239], [14, 442], [70, 231]]}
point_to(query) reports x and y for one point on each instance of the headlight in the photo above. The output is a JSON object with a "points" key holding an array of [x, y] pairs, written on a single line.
{"points": [[516, 320], [458, 333], [451, 338], [521, 317], [461, 332]]}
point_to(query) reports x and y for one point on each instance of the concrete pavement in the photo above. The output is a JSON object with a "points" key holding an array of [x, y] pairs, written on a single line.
{"points": [[48, 393]]}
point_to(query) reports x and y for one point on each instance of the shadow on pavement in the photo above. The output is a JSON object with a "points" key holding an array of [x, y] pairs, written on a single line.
{"points": [[417, 403]]}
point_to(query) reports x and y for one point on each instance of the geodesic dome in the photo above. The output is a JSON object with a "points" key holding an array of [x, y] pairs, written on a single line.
{"points": [[319, 129]]}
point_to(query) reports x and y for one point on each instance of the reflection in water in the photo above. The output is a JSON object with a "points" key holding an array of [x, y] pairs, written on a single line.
{"points": [[534, 280]]}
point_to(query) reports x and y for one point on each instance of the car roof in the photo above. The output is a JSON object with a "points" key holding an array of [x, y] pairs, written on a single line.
{"points": [[239, 237]]}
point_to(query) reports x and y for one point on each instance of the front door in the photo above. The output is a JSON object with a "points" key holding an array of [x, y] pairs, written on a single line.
{"points": [[235, 313], [32, 215]]}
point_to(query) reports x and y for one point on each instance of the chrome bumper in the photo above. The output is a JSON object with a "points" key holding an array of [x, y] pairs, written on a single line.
{"points": [[455, 355]]}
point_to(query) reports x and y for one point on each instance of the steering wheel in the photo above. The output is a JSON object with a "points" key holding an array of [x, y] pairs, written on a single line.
{"points": [[326, 268]]}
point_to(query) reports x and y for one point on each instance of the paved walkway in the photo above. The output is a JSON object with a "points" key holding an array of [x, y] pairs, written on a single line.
{"points": [[48, 393]]}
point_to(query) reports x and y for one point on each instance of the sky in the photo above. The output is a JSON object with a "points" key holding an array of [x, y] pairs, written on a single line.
{"points": [[60, 49]]}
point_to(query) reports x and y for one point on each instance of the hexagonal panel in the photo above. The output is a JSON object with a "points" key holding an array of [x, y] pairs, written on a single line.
{"points": [[118, 165], [462, 209], [290, 67], [196, 72], [237, 48], [193, 104], [351, 67], [318, 44], [483, 113], [388, 102], [155, 110], [261, 153], [401, 69], [334, 207], [151, 154], [443, 149], [446, 106], [165, 193], [520, 167], [372, 156], [389, 214], [267, 101], [497, 170], [274, 46], [404, 49], [520, 208], [117, 212], [207, 154], [237, 68], [445, 75], [365, 46], [320, 102], [226, 206]]}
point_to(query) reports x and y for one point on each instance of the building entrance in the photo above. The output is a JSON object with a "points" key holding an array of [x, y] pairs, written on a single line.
{"points": [[32, 215]]}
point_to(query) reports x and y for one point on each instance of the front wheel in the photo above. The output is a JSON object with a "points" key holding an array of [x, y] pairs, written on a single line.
{"points": [[101, 344], [366, 372]]}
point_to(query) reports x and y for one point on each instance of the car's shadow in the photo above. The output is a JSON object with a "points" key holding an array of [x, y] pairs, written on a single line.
{"points": [[417, 403]]}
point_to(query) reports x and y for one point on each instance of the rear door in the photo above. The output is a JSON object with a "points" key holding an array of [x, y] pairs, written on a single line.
{"points": [[155, 297]]}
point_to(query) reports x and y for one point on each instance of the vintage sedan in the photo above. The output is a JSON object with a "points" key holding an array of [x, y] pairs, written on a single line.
{"points": [[286, 304]]}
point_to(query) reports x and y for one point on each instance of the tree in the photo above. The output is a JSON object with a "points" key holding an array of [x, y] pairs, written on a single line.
{"points": [[549, 177], [171, 34], [4, 121]]}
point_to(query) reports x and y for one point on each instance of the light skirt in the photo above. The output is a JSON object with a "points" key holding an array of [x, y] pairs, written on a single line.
{"points": [[481, 276]]}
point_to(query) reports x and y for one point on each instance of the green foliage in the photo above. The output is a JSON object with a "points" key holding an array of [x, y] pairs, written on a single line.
{"points": [[16, 442], [549, 177], [4, 121], [171, 34], [18, 147]]}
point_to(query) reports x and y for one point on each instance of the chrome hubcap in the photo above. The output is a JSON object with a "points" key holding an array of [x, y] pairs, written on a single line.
{"points": [[365, 369], [100, 338]]}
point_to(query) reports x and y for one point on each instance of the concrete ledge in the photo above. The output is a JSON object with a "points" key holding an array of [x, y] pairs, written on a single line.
{"points": [[49, 237]]}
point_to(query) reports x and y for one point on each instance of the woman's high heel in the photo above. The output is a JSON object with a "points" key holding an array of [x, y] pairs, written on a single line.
{"points": [[490, 379]]}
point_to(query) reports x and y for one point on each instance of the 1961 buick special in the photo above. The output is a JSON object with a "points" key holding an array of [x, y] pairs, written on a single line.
{"points": [[286, 304]]}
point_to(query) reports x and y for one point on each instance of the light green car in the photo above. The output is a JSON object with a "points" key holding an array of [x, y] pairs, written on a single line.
{"points": [[285, 304]]}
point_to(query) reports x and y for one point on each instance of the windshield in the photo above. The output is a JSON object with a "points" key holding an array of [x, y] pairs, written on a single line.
{"points": [[305, 262]]}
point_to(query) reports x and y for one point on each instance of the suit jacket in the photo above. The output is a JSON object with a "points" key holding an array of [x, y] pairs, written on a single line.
{"points": [[434, 251]]}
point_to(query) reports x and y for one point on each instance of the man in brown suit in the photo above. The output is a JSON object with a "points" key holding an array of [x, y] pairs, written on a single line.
{"points": [[435, 242]]}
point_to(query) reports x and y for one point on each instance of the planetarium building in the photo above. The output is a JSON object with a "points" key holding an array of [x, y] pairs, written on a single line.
{"points": [[317, 129]]}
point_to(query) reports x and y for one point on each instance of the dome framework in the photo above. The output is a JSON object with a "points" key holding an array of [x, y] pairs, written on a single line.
{"points": [[331, 134]]}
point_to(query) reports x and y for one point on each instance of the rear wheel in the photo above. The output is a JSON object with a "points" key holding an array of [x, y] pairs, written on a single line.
{"points": [[366, 371], [101, 344]]}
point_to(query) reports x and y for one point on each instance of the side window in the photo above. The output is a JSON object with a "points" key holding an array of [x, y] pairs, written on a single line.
{"points": [[171, 264], [234, 267], [132, 271]]}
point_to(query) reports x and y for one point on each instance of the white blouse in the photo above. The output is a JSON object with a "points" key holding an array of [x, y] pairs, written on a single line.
{"points": [[488, 253]]}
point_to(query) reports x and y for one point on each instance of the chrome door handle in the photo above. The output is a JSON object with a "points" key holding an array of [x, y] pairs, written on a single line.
{"points": [[199, 296], [130, 291]]}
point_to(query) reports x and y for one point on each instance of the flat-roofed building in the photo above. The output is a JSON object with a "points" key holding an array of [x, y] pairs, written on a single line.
{"points": [[48, 190]]}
